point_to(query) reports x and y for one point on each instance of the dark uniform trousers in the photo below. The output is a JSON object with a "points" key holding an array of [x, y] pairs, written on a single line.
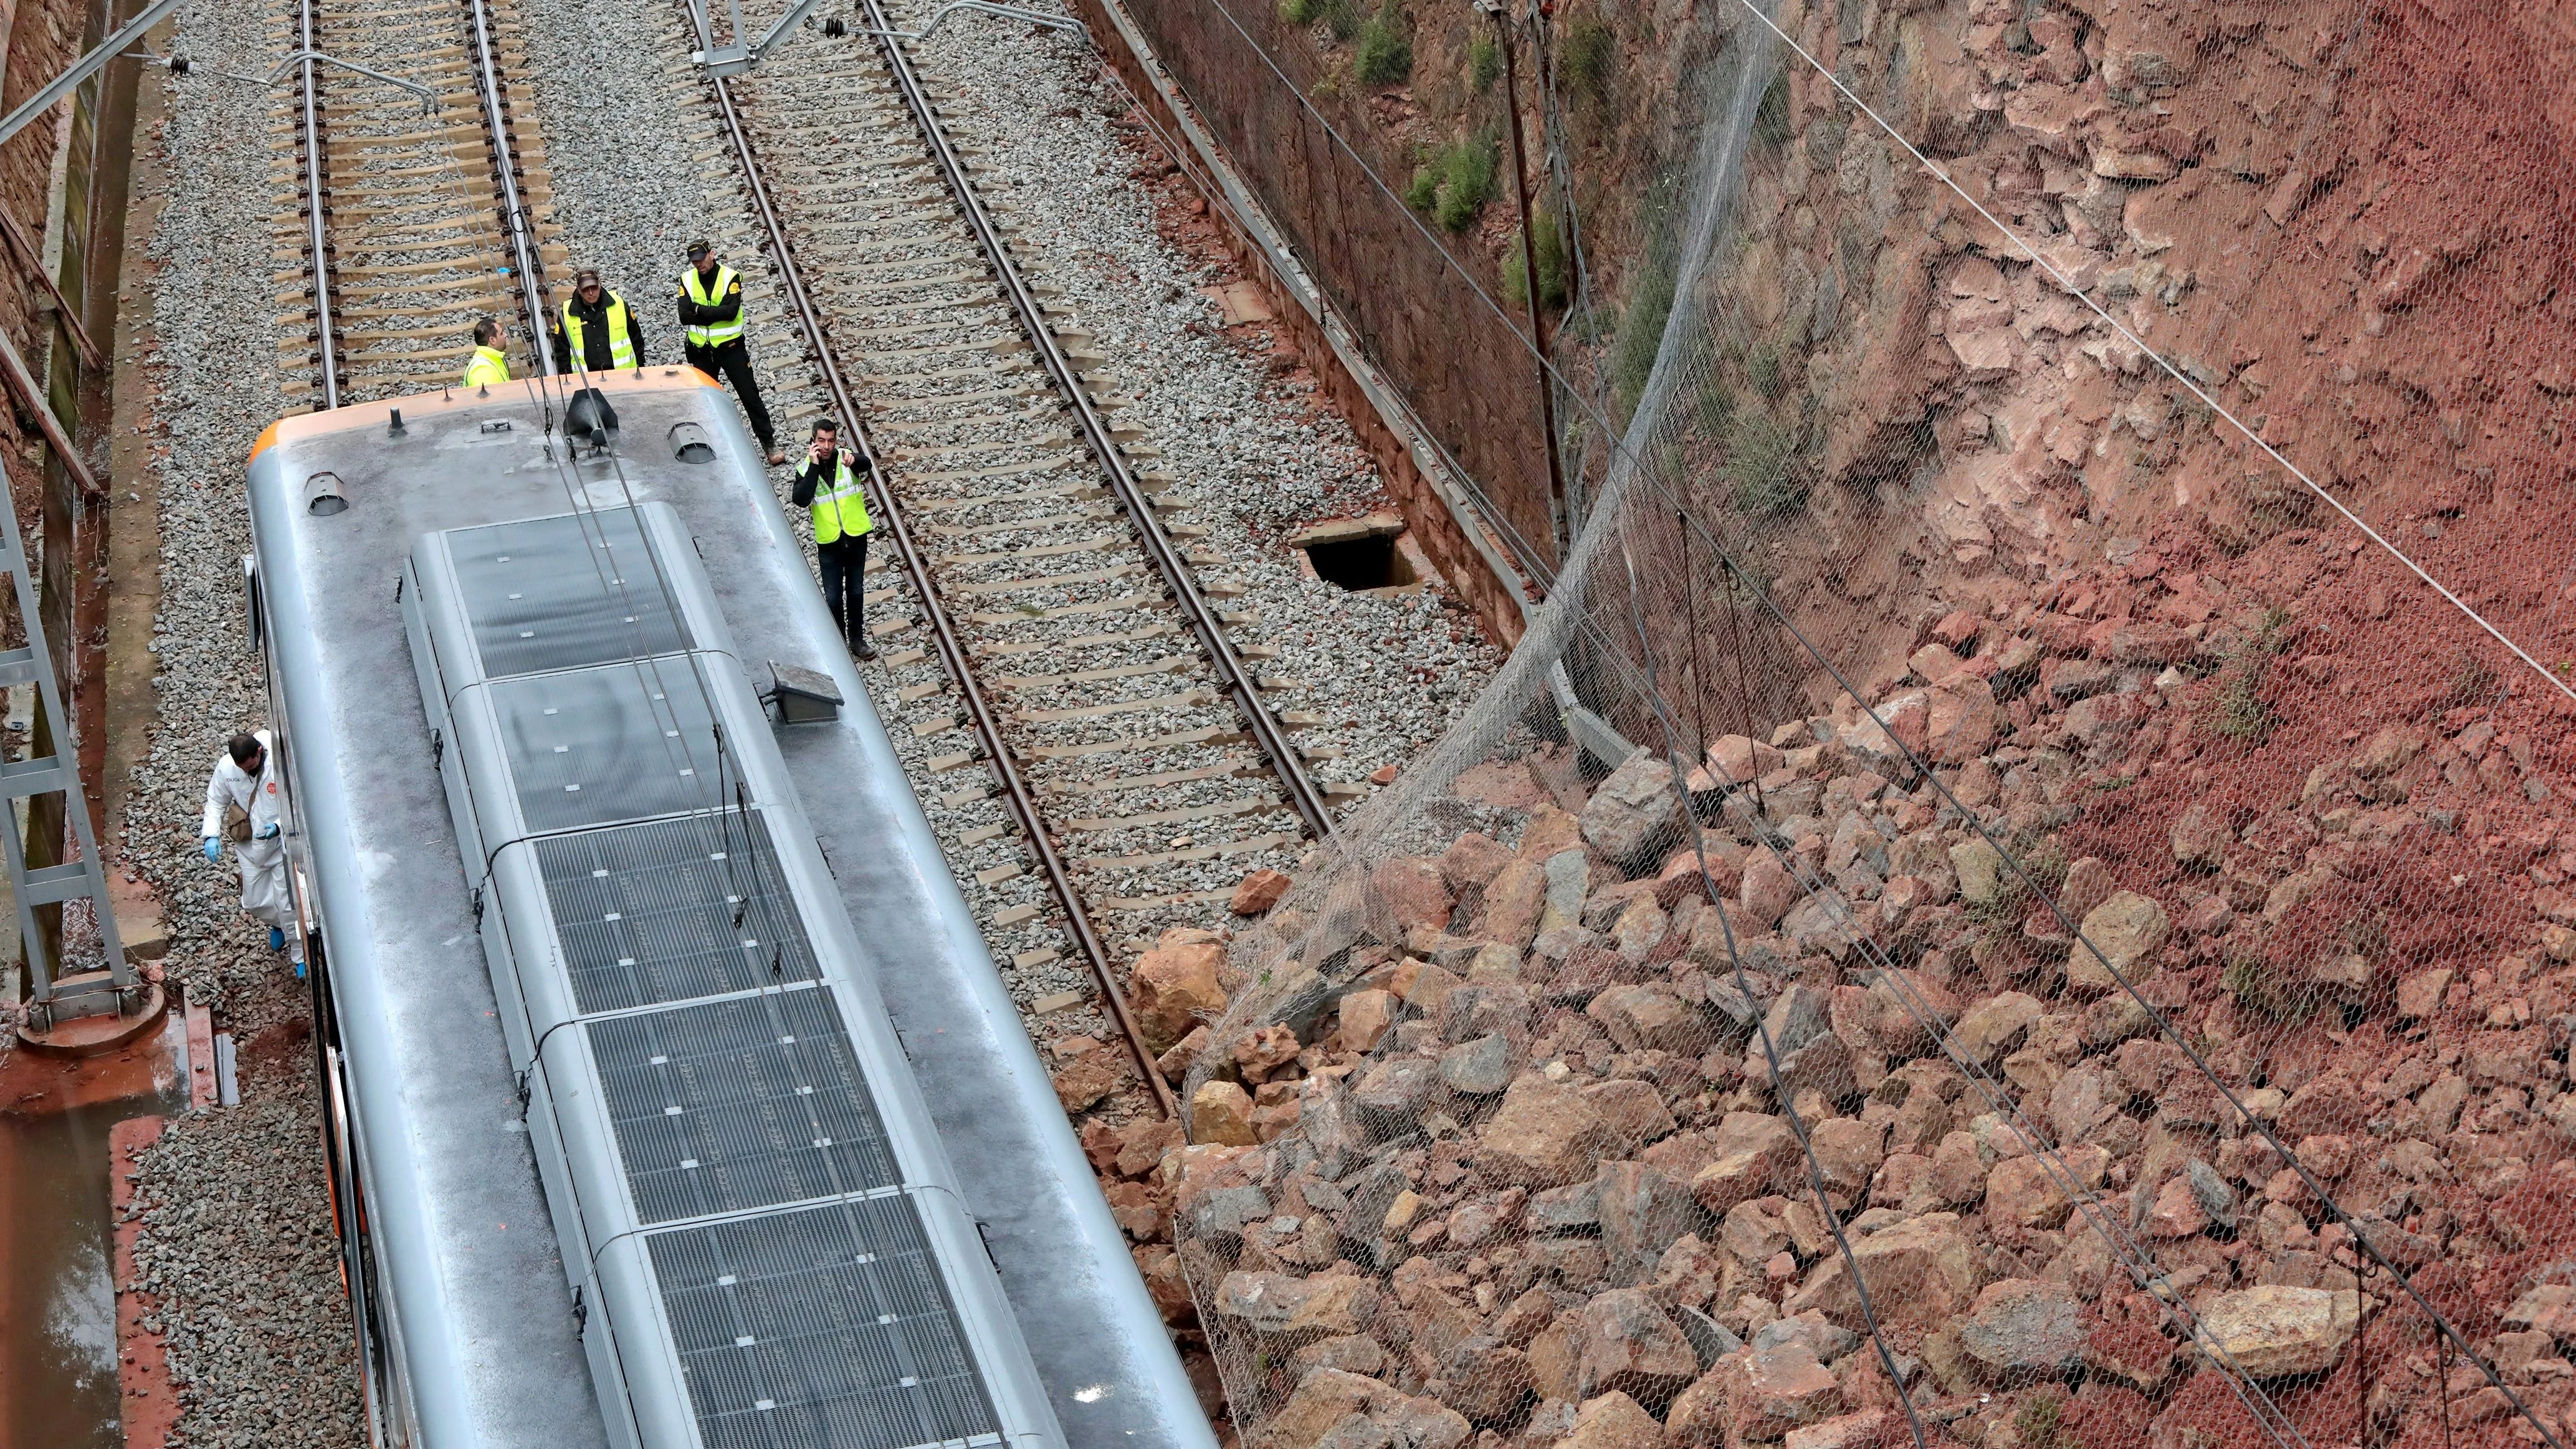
{"points": [[843, 564], [731, 361]]}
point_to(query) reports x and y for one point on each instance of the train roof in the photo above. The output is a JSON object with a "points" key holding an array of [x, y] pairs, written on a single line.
{"points": [[489, 1331]]}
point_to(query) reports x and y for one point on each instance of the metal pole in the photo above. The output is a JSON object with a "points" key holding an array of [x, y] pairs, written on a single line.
{"points": [[1529, 274]]}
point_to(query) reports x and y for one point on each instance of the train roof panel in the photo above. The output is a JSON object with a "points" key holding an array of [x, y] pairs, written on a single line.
{"points": [[491, 1337]]}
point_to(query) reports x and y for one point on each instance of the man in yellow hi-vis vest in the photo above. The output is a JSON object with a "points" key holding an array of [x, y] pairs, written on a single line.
{"points": [[595, 332], [711, 314], [488, 364], [835, 493]]}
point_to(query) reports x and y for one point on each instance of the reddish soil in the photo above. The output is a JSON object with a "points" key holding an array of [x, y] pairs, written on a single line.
{"points": [[150, 1403]]}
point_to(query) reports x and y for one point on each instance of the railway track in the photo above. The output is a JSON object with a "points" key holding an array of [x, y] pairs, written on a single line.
{"points": [[1063, 626], [399, 223]]}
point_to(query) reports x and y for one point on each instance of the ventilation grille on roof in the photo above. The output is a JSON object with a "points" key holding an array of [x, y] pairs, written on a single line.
{"points": [[741, 1103], [559, 593], [670, 910], [828, 1326]]}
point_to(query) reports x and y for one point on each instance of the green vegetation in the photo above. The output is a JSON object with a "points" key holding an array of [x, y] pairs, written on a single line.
{"points": [[1763, 371], [1340, 17], [1484, 63], [2241, 713], [1715, 408], [1771, 117], [1386, 49], [2040, 1424], [1590, 50], [1550, 244], [2250, 979], [1454, 182], [1763, 479]]}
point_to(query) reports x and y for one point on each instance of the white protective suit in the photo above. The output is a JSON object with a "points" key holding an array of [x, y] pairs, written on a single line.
{"points": [[262, 857]]}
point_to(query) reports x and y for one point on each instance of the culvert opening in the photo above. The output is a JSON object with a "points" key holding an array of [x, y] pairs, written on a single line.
{"points": [[1371, 561]]}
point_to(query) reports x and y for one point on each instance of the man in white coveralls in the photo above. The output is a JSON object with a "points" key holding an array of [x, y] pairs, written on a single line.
{"points": [[244, 802]]}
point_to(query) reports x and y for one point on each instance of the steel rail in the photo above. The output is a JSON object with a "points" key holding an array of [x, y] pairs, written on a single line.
{"points": [[505, 175], [1266, 731], [952, 651], [315, 235]]}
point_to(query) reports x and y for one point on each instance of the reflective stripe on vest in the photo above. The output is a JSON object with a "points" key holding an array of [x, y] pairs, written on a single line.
{"points": [[621, 339], [842, 509], [488, 366], [722, 332]]}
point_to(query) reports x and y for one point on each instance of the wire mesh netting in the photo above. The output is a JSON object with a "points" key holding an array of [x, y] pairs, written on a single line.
{"points": [[2015, 890]]}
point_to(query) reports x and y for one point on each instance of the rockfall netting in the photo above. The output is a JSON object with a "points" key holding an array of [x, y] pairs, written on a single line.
{"points": [[1992, 904]]}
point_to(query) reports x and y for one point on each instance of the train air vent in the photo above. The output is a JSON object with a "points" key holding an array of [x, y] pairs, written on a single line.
{"points": [[803, 696], [323, 495], [689, 444], [826, 1326]]}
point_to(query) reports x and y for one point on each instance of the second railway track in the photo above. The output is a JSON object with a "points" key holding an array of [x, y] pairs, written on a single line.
{"points": [[399, 225], [1141, 760]]}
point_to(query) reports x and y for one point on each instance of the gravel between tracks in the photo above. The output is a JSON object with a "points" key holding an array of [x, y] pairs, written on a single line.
{"points": [[247, 1276]]}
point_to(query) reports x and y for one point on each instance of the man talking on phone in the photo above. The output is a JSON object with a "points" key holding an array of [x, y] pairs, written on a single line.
{"points": [[834, 495]]}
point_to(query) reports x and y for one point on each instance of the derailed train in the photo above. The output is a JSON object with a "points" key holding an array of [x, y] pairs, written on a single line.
{"points": [[673, 1100]]}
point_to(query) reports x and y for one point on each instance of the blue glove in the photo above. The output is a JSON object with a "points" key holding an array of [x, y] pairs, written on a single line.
{"points": [[268, 831], [214, 850]]}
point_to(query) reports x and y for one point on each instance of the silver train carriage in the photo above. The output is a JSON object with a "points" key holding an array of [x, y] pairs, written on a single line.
{"points": [[673, 1099]]}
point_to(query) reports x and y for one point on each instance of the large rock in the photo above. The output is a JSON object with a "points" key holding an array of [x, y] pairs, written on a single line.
{"points": [[1650, 1016], [1633, 817], [1174, 988], [1921, 1272], [1413, 891], [1768, 891], [1478, 1068], [1545, 1135], [1220, 1112], [1278, 1304], [1698, 1418], [1980, 869], [1781, 1388], [2127, 929], [1613, 1421], [1332, 1406], [1514, 900], [2024, 1326], [2275, 1332], [1488, 1380], [1902, 1010], [1995, 1027], [1643, 1211], [2021, 1192], [1631, 1346], [1751, 1153], [1848, 1151], [2200, 838]]}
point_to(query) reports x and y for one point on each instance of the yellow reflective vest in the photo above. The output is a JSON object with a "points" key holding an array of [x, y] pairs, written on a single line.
{"points": [[621, 339], [488, 367], [707, 293], [841, 510]]}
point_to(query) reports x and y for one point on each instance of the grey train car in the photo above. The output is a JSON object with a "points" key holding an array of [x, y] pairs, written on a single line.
{"points": [[672, 1098]]}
